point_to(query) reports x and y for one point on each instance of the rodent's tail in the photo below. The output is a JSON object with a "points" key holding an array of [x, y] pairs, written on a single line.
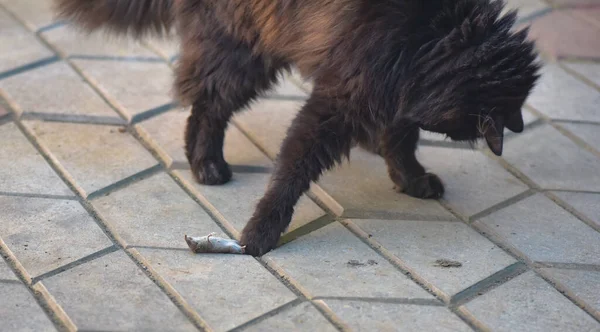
{"points": [[133, 17]]}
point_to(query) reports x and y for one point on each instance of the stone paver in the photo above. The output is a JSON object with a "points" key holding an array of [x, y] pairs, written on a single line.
{"points": [[41, 17], [267, 121], [303, 317], [19, 47], [575, 38], [3, 111], [527, 7], [72, 42], [553, 161], [529, 303], [561, 96], [545, 232], [210, 283], [57, 89], [166, 132], [24, 170], [95, 156], [46, 234], [20, 312], [136, 87], [368, 316], [371, 194], [586, 203], [154, 212], [101, 111], [5, 272], [473, 182], [586, 131], [245, 189], [420, 244], [112, 293], [589, 70], [584, 284], [359, 271]]}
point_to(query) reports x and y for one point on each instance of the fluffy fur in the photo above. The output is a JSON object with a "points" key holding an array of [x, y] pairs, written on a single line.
{"points": [[382, 70]]}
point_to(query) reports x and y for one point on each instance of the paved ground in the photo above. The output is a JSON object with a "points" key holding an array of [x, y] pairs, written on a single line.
{"points": [[95, 198]]}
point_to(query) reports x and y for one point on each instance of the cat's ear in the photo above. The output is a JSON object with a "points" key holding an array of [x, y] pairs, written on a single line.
{"points": [[514, 122], [494, 135]]}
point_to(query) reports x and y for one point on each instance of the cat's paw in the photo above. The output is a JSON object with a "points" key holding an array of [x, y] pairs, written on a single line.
{"points": [[258, 238], [427, 186], [211, 172]]}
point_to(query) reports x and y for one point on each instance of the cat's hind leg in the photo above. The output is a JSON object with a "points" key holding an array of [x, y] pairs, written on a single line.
{"points": [[399, 144], [218, 78]]}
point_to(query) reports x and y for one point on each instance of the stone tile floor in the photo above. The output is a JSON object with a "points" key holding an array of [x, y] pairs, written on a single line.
{"points": [[95, 197]]}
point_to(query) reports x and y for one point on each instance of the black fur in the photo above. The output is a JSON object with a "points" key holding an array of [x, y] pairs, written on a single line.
{"points": [[382, 70]]}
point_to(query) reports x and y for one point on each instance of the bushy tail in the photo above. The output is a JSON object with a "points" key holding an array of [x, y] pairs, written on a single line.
{"points": [[133, 17]]}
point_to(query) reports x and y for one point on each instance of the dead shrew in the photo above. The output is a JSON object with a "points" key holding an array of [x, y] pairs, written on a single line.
{"points": [[446, 263]]}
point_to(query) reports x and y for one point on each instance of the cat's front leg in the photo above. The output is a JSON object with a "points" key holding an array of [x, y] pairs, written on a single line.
{"points": [[316, 140], [399, 145]]}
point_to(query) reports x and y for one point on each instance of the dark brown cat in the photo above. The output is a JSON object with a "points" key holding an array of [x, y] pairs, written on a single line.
{"points": [[382, 69]]}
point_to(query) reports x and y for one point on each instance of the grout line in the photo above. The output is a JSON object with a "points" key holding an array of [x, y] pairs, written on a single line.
{"points": [[504, 204], [567, 207], [473, 322], [296, 288], [28, 195], [75, 263], [153, 112], [30, 66], [51, 308], [272, 313], [51, 26], [156, 248], [123, 183], [567, 266], [74, 118], [113, 58], [175, 297], [489, 283], [391, 300]]}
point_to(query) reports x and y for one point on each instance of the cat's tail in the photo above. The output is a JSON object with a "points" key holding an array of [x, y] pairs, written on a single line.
{"points": [[132, 17]]}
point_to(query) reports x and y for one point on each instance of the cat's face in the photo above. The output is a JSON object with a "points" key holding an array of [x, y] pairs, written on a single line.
{"points": [[469, 122]]}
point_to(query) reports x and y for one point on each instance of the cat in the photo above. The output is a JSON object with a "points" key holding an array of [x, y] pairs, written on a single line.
{"points": [[382, 70]]}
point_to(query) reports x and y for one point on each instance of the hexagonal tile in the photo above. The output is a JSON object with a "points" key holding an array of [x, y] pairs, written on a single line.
{"points": [[585, 203], [154, 212], [364, 190], [545, 232], [359, 271], [135, 87], [46, 234], [563, 97], [210, 283], [166, 133], [123, 297], [20, 312], [57, 89], [583, 284], [586, 131], [40, 17], [6, 273], [529, 303], [420, 244], [95, 156], [589, 70], [24, 170], [246, 189], [70, 41], [19, 46], [303, 317], [370, 316], [545, 155], [473, 181]]}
